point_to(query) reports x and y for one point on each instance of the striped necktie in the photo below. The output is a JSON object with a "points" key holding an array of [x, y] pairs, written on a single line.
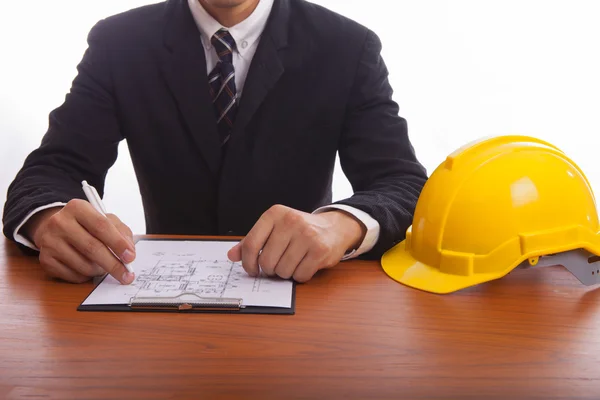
{"points": [[222, 84]]}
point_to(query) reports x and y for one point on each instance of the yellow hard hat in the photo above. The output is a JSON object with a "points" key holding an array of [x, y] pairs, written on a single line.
{"points": [[491, 206]]}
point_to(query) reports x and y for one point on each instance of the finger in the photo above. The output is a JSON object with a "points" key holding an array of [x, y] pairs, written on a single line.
{"points": [[56, 269], [103, 230], [122, 228], [276, 245], [74, 260], [307, 267], [254, 242], [97, 252], [291, 259], [235, 253]]}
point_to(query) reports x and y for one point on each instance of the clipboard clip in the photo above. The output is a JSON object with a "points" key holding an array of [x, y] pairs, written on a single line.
{"points": [[185, 302]]}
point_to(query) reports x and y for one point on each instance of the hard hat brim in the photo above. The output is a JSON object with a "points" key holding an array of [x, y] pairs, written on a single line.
{"points": [[399, 265]]}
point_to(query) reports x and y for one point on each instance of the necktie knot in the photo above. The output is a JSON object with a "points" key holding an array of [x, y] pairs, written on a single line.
{"points": [[224, 45]]}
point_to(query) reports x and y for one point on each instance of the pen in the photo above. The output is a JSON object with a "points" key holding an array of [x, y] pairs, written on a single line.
{"points": [[94, 198]]}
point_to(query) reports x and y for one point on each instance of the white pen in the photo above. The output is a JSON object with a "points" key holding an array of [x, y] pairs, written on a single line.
{"points": [[94, 198]]}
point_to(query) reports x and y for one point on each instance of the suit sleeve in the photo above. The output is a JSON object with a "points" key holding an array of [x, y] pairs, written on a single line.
{"points": [[81, 142], [376, 154]]}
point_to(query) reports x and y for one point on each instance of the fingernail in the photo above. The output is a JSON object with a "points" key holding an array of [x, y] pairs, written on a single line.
{"points": [[128, 256], [127, 277]]}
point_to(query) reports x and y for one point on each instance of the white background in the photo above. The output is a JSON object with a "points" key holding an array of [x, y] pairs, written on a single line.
{"points": [[461, 70]]}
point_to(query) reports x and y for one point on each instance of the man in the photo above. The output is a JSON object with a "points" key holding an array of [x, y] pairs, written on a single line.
{"points": [[233, 111]]}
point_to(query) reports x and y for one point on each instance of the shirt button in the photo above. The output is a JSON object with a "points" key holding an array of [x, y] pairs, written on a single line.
{"points": [[244, 44]]}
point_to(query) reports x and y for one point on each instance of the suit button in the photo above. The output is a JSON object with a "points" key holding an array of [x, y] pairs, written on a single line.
{"points": [[230, 232]]}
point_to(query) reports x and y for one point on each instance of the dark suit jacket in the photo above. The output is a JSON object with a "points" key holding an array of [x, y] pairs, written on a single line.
{"points": [[317, 85]]}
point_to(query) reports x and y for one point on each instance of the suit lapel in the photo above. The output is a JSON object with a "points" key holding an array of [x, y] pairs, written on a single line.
{"points": [[266, 67], [184, 66], [265, 71]]}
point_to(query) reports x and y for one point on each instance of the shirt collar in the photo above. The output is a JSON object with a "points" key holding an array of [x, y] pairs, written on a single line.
{"points": [[245, 34]]}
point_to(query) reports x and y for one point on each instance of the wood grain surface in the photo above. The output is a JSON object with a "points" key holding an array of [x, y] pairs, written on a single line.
{"points": [[356, 334]]}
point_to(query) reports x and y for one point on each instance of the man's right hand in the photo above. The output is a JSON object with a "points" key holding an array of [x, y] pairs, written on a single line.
{"points": [[74, 243]]}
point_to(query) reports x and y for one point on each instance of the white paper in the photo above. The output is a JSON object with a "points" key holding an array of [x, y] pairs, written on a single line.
{"points": [[166, 268]]}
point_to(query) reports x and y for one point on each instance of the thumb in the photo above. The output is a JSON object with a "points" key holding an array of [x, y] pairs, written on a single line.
{"points": [[235, 253]]}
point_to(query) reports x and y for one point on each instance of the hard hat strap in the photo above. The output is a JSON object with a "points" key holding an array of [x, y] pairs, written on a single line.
{"points": [[584, 265]]}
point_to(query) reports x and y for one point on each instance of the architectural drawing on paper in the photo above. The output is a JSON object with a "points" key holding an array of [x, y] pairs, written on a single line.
{"points": [[173, 269], [202, 277]]}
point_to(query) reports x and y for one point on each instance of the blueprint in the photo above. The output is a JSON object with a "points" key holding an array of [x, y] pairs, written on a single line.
{"points": [[168, 268]]}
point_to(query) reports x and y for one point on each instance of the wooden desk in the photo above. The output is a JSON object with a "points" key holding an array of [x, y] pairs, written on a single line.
{"points": [[356, 334]]}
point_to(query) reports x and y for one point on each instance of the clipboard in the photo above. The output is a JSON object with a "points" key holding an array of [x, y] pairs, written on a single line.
{"points": [[186, 268]]}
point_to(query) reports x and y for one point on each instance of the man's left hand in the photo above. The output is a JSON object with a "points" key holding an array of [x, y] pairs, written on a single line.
{"points": [[294, 244]]}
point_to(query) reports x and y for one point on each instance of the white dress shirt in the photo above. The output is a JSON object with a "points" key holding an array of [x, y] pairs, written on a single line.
{"points": [[247, 36]]}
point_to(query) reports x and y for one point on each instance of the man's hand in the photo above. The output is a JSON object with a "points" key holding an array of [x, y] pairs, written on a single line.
{"points": [[294, 244], [74, 243]]}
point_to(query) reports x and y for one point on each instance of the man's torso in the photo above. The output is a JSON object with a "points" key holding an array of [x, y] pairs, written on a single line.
{"points": [[285, 137]]}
